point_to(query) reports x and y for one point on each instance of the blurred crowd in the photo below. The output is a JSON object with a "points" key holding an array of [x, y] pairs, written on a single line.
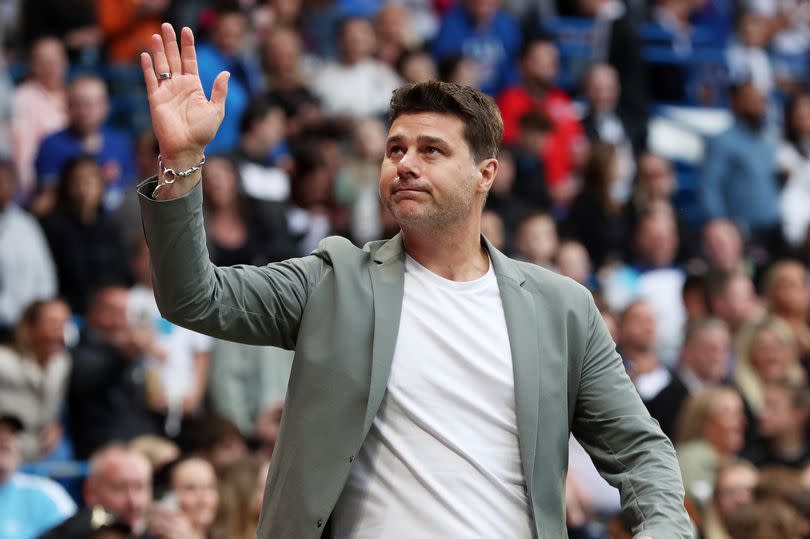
{"points": [[705, 290]]}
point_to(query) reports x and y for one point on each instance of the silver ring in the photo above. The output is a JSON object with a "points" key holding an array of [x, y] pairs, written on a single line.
{"points": [[164, 76]]}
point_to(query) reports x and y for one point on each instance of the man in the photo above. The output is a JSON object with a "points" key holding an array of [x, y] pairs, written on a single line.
{"points": [[34, 375], [539, 65], [27, 272], [88, 107], [107, 388], [739, 176], [636, 341], [732, 298], [704, 363], [723, 247], [29, 505], [403, 416]]}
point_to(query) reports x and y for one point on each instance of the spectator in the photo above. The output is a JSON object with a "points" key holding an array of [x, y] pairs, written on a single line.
{"points": [[74, 23], [573, 261], [766, 519], [723, 248], [767, 355], [158, 451], [794, 161], [537, 239], [595, 218], [617, 43], [88, 106], [738, 180], [459, 69], [34, 376], [226, 52], [288, 84], [311, 206], [357, 85], [505, 200], [784, 426], [127, 27], [733, 491], [731, 297], [655, 182], [565, 151], [530, 182], [39, 107], [29, 505], [27, 272], [241, 491], [194, 484], [262, 156], [482, 31], [492, 228], [119, 480], [356, 184], [417, 66], [86, 243], [711, 427], [178, 363], [91, 523], [214, 438], [786, 292], [704, 363], [394, 35], [603, 123], [747, 55], [240, 231], [670, 18], [693, 295], [106, 394], [636, 341]]}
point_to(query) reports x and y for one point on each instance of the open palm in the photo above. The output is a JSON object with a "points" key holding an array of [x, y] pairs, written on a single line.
{"points": [[183, 119]]}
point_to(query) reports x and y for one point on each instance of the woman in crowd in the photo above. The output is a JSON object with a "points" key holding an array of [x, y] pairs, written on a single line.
{"points": [[595, 217], [86, 244], [193, 486], [241, 490], [240, 231]]}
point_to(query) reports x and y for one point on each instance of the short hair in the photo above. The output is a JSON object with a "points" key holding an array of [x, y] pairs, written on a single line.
{"points": [[99, 458], [483, 126], [255, 112], [536, 38], [696, 327]]}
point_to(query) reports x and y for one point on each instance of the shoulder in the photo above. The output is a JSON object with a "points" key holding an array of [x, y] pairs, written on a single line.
{"points": [[41, 490]]}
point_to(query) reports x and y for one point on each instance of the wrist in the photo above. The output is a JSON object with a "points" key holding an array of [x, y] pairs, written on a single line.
{"points": [[182, 160]]}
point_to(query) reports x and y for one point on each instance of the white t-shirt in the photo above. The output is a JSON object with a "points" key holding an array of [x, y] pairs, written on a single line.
{"points": [[442, 457]]}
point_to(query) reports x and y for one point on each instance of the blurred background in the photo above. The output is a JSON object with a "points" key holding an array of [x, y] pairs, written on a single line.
{"points": [[656, 151]]}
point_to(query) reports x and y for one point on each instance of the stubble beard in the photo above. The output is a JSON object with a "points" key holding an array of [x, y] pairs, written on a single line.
{"points": [[429, 216]]}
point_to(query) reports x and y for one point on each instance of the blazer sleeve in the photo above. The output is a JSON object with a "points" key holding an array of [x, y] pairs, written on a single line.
{"points": [[248, 304], [626, 444]]}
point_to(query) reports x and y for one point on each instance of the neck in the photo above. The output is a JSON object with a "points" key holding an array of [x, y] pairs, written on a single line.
{"points": [[455, 255], [644, 361]]}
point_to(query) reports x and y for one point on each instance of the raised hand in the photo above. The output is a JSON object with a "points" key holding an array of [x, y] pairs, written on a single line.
{"points": [[184, 120]]}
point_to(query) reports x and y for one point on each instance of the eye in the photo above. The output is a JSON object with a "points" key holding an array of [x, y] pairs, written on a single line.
{"points": [[394, 150], [432, 150]]}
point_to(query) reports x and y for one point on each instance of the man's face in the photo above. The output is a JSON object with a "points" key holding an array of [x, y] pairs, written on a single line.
{"points": [[778, 414], [637, 329], [482, 10], [722, 245], [229, 33], [48, 332], [655, 175], [657, 240], [735, 488], [789, 296], [707, 354], [123, 486], [10, 452], [357, 40], [749, 104], [49, 62], [603, 88], [541, 64], [108, 316], [428, 176], [87, 105]]}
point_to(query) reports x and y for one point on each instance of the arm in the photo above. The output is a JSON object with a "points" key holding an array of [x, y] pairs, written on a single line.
{"points": [[246, 304], [625, 443], [715, 171]]}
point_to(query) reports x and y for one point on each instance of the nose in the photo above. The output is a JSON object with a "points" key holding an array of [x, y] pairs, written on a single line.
{"points": [[408, 165]]}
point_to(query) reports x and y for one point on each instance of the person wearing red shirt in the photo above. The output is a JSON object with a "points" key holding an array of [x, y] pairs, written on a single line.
{"points": [[567, 143]]}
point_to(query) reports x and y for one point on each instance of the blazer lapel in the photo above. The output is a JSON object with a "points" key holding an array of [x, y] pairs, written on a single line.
{"points": [[522, 327], [387, 273]]}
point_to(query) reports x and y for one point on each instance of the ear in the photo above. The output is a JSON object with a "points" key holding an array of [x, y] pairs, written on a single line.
{"points": [[488, 168]]}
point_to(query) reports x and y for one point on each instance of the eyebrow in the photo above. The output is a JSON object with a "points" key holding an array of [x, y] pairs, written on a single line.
{"points": [[421, 139]]}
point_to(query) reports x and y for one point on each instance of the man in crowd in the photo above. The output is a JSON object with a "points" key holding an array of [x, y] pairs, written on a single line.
{"points": [[28, 505], [107, 390], [425, 366]]}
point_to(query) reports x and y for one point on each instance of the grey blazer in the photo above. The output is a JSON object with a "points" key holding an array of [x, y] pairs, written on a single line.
{"points": [[339, 309]]}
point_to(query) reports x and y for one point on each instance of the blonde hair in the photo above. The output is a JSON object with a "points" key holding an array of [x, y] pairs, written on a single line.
{"points": [[238, 483], [746, 376], [696, 412], [157, 450]]}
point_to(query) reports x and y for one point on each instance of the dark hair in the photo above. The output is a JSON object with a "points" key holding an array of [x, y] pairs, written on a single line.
{"points": [[536, 38], [483, 126], [255, 112], [597, 175], [63, 200]]}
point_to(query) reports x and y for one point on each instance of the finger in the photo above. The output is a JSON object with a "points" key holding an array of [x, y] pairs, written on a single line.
{"points": [[220, 90], [159, 55], [148, 73], [170, 45], [188, 55]]}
